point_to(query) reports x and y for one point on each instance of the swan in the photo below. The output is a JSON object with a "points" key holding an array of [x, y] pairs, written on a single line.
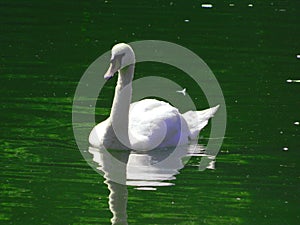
{"points": [[146, 124]]}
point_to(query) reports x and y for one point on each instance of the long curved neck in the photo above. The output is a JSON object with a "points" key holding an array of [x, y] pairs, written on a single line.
{"points": [[121, 103]]}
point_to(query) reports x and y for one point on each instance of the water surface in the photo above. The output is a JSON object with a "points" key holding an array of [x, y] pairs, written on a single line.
{"points": [[252, 50]]}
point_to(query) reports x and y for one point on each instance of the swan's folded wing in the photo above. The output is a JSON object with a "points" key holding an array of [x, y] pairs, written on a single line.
{"points": [[155, 123], [196, 120]]}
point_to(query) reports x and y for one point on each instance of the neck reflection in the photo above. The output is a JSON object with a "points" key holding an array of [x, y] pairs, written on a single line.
{"points": [[143, 170]]}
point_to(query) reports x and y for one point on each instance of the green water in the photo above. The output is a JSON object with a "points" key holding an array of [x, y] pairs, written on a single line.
{"points": [[46, 47]]}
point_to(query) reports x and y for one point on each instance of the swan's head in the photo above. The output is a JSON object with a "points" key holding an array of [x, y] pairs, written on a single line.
{"points": [[122, 56]]}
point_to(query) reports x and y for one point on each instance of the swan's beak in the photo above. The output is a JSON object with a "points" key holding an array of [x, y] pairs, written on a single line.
{"points": [[110, 72]]}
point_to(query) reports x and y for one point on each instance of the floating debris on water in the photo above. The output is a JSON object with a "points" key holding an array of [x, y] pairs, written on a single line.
{"points": [[206, 5], [298, 56], [285, 149], [186, 21], [297, 123], [231, 4], [182, 91], [281, 132], [250, 5]]}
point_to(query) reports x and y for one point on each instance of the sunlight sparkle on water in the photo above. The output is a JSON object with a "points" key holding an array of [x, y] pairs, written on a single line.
{"points": [[206, 5], [292, 81], [285, 149], [146, 188], [296, 123]]}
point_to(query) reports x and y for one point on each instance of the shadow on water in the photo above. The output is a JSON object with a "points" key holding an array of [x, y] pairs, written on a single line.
{"points": [[143, 170]]}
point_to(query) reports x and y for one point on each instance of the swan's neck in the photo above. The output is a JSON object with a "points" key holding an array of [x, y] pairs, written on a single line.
{"points": [[121, 103], [125, 76]]}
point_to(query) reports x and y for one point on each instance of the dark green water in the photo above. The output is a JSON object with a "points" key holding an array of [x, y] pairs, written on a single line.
{"points": [[46, 47]]}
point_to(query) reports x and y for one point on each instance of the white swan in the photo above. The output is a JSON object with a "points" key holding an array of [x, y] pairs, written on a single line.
{"points": [[146, 124]]}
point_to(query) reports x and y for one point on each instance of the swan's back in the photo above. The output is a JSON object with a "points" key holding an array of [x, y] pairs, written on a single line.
{"points": [[157, 123]]}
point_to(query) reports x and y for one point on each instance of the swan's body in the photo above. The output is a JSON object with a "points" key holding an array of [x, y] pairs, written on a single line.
{"points": [[146, 124]]}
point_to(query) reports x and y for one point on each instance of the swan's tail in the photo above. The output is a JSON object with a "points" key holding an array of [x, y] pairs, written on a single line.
{"points": [[196, 120]]}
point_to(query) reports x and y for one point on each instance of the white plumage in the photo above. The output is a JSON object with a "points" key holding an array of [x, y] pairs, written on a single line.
{"points": [[146, 124]]}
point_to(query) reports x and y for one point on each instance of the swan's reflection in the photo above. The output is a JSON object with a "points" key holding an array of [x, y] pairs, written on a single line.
{"points": [[144, 170]]}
